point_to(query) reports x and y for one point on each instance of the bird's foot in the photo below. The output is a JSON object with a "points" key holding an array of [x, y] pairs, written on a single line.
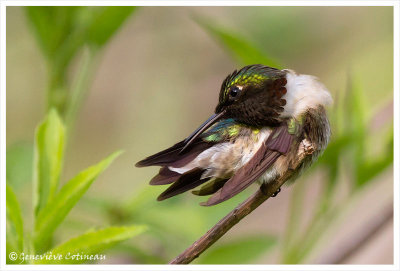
{"points": [[264, 190], [276, 193], [307, 147]]}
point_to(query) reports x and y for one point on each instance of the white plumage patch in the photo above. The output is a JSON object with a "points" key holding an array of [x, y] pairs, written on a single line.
{"points": [[269, 175], [303, 92], [224, 159]]}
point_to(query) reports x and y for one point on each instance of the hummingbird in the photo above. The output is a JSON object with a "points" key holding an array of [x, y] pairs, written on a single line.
{"points": [[264, 116]]}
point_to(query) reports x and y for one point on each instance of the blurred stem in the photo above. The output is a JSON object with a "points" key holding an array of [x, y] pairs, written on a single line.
{"points": [[80, 87], [339, 255], [57, 91], [302, 247], [294, 218], [319, 226]]}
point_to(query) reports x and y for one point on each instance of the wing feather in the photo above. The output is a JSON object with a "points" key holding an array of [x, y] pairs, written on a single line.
{"points": [[211, 187], [187, 181], [173, 157], [165, 176], [276, 145]]}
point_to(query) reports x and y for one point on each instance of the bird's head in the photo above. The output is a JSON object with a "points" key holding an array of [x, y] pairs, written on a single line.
{"points": [[253, 95], [259, 95]]}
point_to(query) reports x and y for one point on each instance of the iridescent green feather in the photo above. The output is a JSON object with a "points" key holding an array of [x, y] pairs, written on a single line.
{"points": [[226, 130], [294, 125], [251, 75]]}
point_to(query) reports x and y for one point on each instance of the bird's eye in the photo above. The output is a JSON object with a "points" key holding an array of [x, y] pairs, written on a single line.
{"points": [[234, 92]]}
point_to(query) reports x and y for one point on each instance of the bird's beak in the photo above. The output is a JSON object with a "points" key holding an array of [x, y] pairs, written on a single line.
{"points": [[213, 119]]}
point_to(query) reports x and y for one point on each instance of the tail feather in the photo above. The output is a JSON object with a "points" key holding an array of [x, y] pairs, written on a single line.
{"points": [[187, 181], [211, 187], [165, 176]]}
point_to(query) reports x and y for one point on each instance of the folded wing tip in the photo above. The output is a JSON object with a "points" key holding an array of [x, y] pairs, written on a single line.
{"points": [[209, 203], [163, 196], [139, 164], [196, 192], [164, 176], [214, 199]]}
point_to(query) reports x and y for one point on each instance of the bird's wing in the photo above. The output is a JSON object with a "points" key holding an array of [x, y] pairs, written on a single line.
{"points": [[222, 131], [277, 144]]}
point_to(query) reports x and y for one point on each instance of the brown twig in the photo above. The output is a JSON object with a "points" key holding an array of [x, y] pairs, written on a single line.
{"points": [[225, 225], [231, 219]]}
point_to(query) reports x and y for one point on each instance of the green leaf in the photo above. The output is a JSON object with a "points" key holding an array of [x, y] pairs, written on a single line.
{"points": [[241, 251], [106, 21], [57, 209], [240, 49], [333, 155], [357, 125], [365, 169], [19, 164], [90, 244], [372, 168], [358, 109], [337, 113], [9, 248], [60, 32], [52, 26], [48, 158], [14, 217]]}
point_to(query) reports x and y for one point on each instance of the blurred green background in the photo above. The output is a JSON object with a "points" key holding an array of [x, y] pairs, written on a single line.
{"points": [[152, 82]]}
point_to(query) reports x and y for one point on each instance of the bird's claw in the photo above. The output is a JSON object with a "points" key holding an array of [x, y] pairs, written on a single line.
{"points": [[276, 193], [264, 190], [307, 147]]}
